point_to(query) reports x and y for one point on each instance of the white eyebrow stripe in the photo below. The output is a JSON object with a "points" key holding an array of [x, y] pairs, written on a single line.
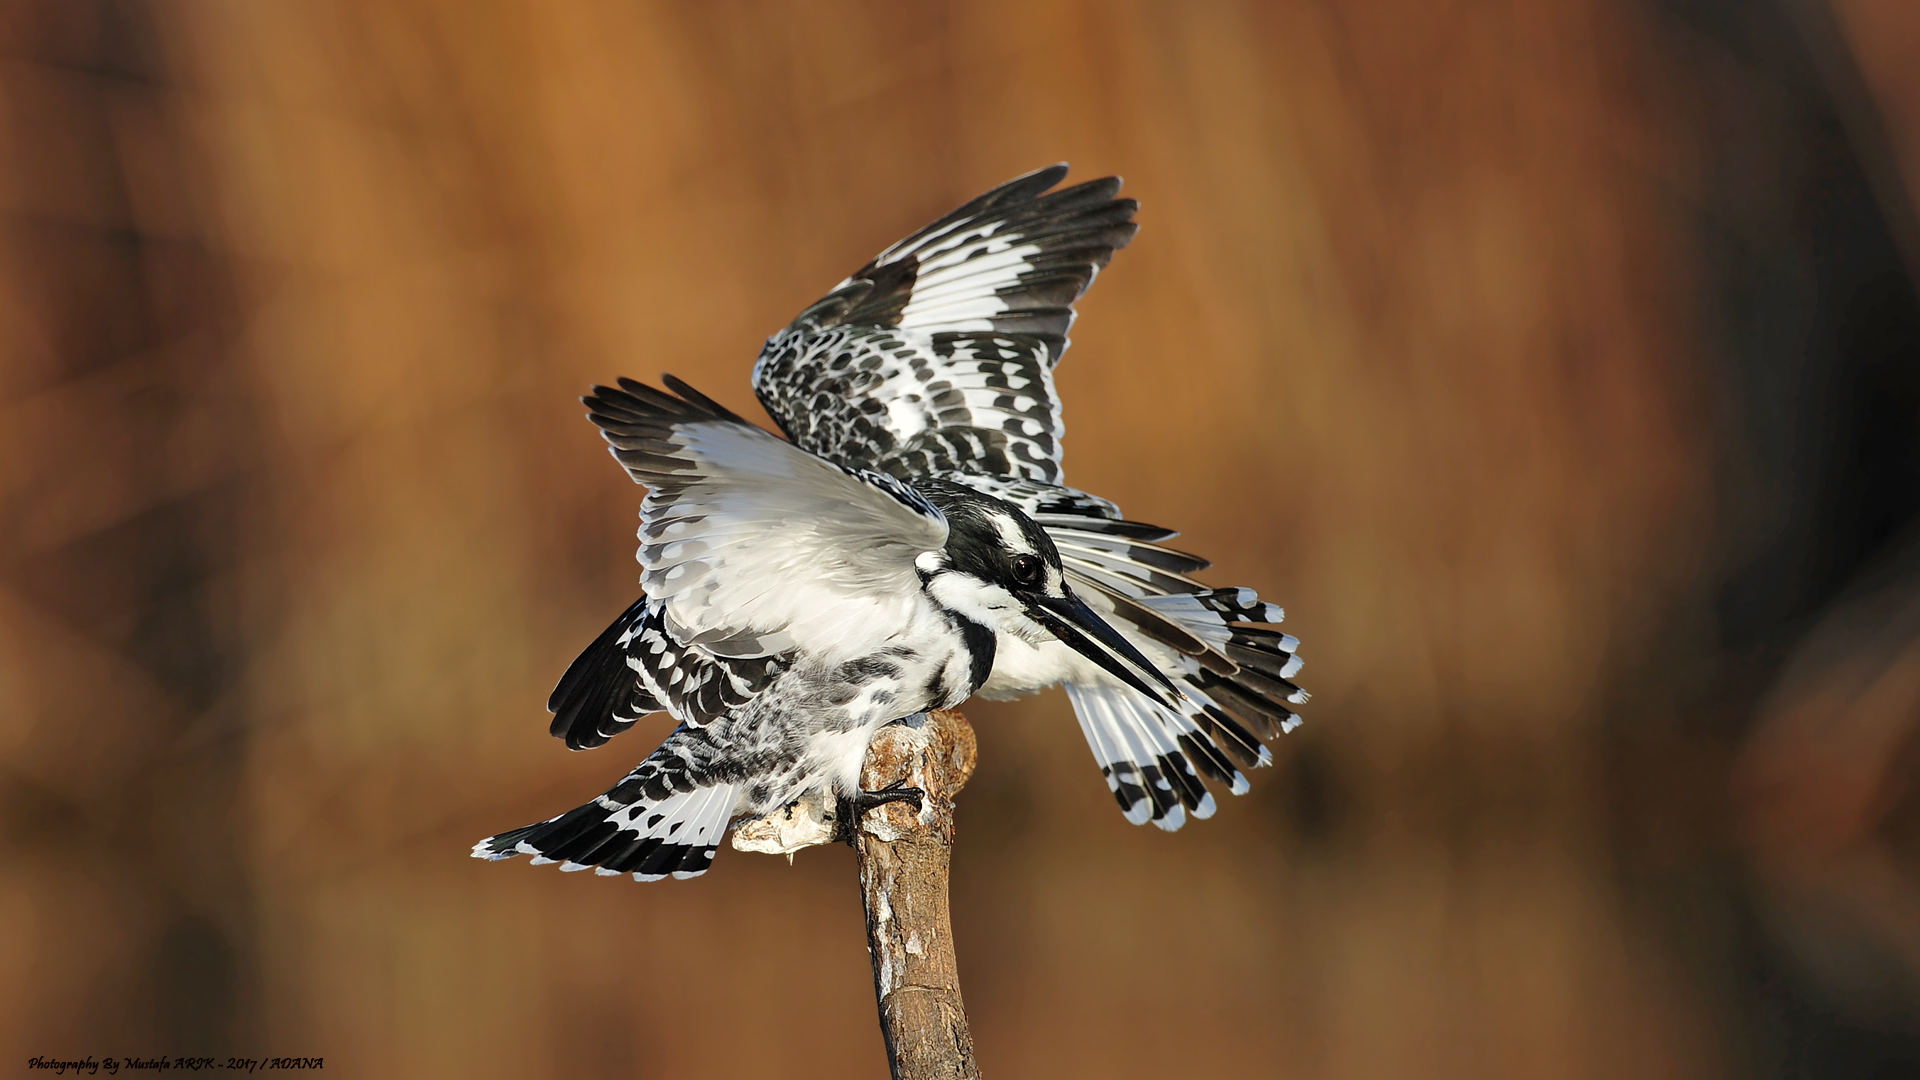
{"points": [[1011, 534]]}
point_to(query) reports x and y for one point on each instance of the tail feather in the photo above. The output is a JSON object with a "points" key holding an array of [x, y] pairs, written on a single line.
{"points": [[1115, 760], [1238, 741], [1270, 718], [1275, 660], [1211, 760], [1148, 754], [1156, 769], [1235, 677], [650, 838]]}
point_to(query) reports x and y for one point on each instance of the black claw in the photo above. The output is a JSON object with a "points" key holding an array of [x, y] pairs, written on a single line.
{"points": [[898, 791], [847, 812]]}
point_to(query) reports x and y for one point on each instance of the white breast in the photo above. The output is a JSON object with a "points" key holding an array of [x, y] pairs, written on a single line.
{"points": [[1023, 668]]}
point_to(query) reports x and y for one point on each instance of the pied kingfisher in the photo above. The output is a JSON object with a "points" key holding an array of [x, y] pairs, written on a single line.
{"points": [[907, 546]]}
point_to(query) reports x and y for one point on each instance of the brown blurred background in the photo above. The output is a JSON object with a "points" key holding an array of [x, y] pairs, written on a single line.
{"points": [[1555, 362]]}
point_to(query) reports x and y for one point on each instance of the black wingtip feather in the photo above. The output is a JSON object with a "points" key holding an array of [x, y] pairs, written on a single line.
{"points": [[1017, 190], [646, 407], [695, 397], [599, 696], [589, 835]]}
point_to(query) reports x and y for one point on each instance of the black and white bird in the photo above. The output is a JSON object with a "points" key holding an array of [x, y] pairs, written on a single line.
{"points": [[908, 545]]}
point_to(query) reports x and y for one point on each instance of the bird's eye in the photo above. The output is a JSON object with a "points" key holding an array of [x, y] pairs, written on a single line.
{"points": [[1026, 569]]}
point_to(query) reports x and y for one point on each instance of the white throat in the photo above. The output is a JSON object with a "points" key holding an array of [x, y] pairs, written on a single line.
{"points": [[984, 603]]}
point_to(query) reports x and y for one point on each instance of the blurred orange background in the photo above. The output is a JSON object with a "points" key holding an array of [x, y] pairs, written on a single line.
{"points": [[1555, 363]]}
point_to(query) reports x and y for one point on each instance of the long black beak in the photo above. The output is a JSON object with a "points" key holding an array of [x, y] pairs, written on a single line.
{"points": [[1068, 616]]}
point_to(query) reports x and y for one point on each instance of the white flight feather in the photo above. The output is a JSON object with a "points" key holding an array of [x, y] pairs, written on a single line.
{"points": [[955, 288], [788, 547], [967, 273]]}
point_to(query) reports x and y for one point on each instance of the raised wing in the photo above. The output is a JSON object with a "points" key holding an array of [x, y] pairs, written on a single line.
{"points": [[751, 546], [938, 355]]}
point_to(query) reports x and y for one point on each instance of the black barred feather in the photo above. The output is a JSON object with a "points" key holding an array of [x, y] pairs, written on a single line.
{"points": [[695, 684], [1149, 753], [662, 821], [1240, 672], [636, 667], [1265, 651], [952, 264], [1158, 775], [1186, 786], [938, 355], [1273, 690], [1163, 630]]}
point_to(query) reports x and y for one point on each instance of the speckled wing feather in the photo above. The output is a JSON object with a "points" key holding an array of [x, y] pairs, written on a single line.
{"points": [[635, 667], [938, 355]]}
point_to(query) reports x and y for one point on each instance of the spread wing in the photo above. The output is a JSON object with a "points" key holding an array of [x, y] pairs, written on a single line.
{"points": [[750, 544], [938, 355], [750, 548]]}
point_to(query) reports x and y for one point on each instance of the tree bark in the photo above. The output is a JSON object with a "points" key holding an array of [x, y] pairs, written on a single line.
{"points": [[903, 879]]}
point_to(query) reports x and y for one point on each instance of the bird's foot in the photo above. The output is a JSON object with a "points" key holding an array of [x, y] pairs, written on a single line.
{"points": [[848, 813], [898, 791]]}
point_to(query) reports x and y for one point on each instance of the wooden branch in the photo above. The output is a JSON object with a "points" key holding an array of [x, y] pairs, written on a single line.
{"points": [[903, 879]]}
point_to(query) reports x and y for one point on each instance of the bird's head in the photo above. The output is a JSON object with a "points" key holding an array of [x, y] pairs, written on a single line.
{"points": [[1000, 570]]}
